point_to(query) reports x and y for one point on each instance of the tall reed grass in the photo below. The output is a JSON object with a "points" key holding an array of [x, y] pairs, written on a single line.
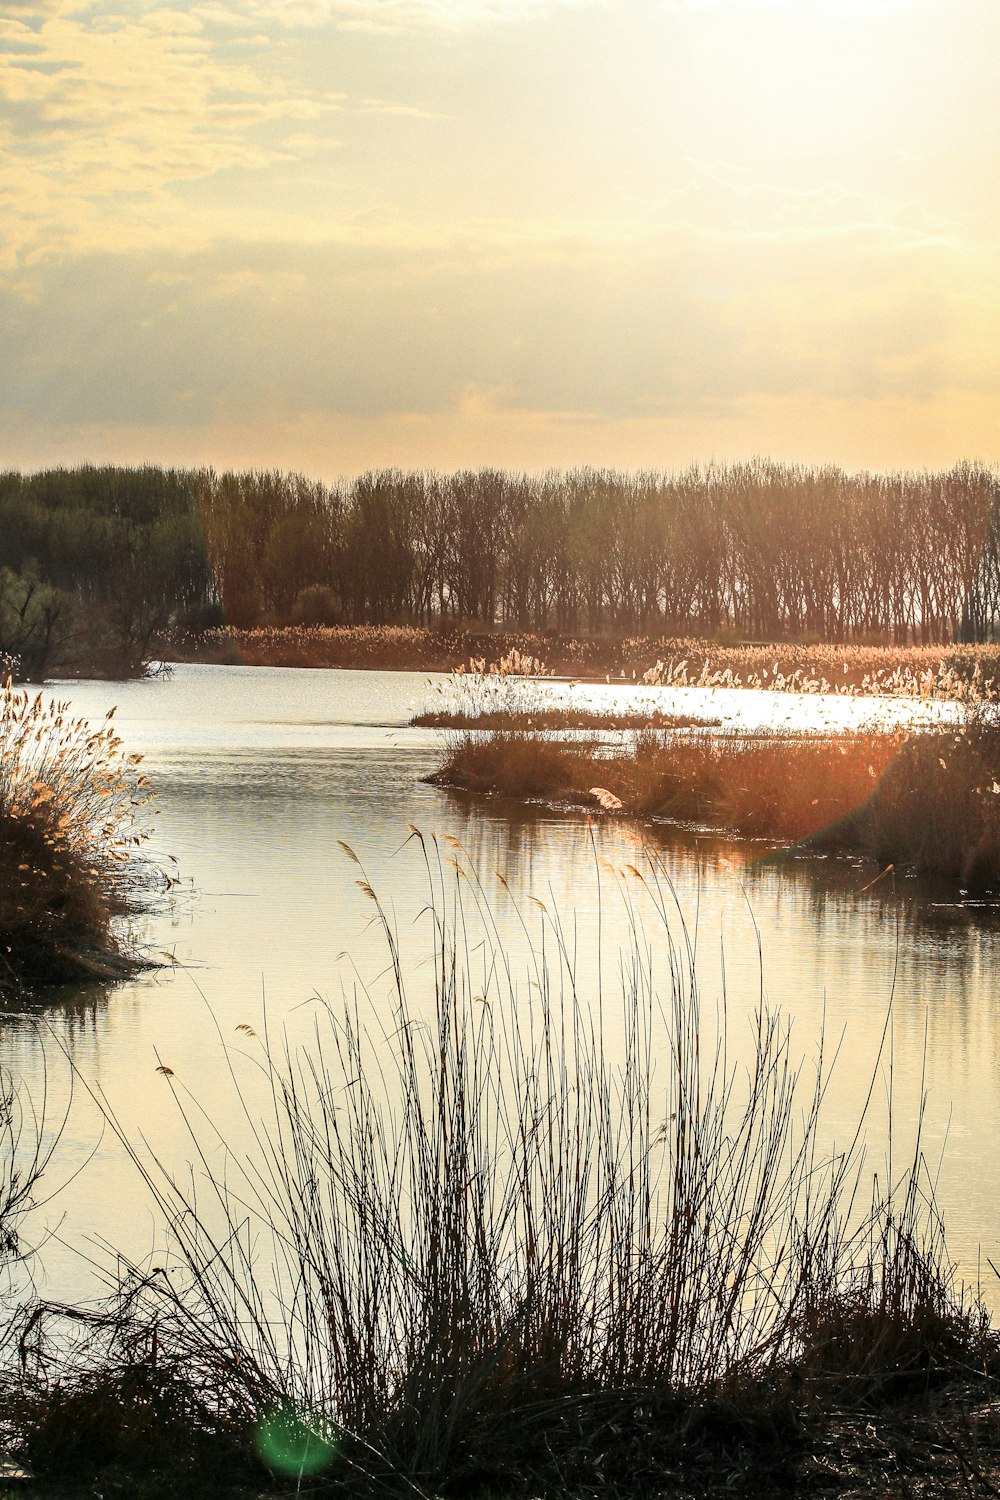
{"points": [[462, 1245], [927, 801], [72, 820], [962, 674], [781, 787], [507, 696]]}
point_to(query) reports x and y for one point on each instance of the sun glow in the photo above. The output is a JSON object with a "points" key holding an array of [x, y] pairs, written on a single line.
{"points": [[718, 227]]}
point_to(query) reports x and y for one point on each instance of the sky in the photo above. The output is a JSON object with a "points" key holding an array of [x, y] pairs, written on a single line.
{"points": [[327, 235]]}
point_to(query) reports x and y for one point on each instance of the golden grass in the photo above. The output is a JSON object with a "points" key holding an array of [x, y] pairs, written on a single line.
{"points": [[378, 647], [965, 673], [549, 719], [71, 805], [927, 801], [776, 787], [506, 695]]}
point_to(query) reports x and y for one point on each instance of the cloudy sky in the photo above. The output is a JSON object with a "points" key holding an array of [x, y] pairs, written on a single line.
{"points": [[327, 234]]}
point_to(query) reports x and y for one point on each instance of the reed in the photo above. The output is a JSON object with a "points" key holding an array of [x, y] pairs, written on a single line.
{"points": [[928, 802], [72, 806], [466, 1251], [964, 674], [509, 696], [905, 671], [779, 787], [936, 808]]}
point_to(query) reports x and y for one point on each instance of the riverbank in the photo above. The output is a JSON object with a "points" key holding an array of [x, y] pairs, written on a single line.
{"points": [[942, 1444], [904, 671]]}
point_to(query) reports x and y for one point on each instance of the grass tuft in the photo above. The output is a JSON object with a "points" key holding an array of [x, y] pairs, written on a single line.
{"points": [[71, 827], [471, 1252]]}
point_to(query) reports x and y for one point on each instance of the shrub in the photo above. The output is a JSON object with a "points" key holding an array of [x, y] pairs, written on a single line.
{"points": [[937, 807], [316, 605]]}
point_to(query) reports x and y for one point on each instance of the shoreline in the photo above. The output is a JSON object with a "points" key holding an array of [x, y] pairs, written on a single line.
{"points": [[652, 661]]}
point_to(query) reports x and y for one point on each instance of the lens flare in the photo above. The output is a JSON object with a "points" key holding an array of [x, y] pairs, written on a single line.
{"points": [[290, 1442]]}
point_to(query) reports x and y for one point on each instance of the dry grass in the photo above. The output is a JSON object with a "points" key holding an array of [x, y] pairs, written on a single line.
{"points": [[962, 672], [379, 647], [506, 695], [549, 719], [71, 823], [927, 801], [466, 1252], [937, 807], [776, 787]]}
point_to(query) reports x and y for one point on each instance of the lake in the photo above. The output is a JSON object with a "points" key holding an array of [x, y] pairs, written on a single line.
{"points": [[262, 773]]}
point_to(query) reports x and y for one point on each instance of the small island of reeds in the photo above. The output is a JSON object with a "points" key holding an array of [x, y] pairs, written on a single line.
{"points": [[925, 800]]}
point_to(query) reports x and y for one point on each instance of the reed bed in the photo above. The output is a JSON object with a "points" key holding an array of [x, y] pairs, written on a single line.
{"points": [[966, 674], [511, 694], [780, 787], [928, 802], [378, 647], [539, 716], [72, 821], [465, 1251], [963, 673]]}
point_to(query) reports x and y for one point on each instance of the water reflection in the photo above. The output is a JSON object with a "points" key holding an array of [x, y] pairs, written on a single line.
{"points": [[262, 774]]}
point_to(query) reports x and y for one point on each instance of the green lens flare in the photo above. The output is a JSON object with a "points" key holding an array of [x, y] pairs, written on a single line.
{"points": [[292, 1443]]}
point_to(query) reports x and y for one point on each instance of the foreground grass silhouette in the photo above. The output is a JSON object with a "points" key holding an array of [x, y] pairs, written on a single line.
{"points": [[499, 1227]]}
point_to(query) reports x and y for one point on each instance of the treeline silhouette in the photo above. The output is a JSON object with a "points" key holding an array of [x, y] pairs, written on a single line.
{"points": [[108, 556]]}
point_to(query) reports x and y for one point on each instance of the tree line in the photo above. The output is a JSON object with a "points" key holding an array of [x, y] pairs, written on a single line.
{"points": [[112, 555]]}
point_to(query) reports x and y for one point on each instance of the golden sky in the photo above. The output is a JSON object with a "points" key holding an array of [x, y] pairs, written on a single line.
{"points": [[328, 234]]}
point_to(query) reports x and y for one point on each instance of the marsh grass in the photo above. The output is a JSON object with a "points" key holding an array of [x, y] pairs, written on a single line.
{"points": [[936, 807], [465, 1249], [963, 673], [497, 697], [927, 801], [550, 719], [72, 806], [378, 647], [780, 787]]}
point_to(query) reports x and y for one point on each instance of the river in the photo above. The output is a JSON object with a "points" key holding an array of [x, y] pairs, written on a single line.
{"points": [[261, 774]]}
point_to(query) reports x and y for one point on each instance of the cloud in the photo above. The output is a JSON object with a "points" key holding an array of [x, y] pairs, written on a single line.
{"points": [[275, 212], [839, 9], [106, 112], [404, 111], [411, 15], [663, 327]]}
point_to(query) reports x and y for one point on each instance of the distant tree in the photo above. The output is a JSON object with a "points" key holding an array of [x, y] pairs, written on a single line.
{"points": [[34, 624]]}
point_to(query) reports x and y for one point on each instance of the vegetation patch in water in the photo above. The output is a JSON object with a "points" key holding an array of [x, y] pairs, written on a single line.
{"points": [[928, 801], [507, 695]]}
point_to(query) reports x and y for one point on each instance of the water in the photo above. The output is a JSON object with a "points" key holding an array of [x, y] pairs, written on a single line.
{"points": [[261, 774]]}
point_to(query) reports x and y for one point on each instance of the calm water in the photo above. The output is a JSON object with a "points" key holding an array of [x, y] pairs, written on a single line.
{"points": [[260, 775]]}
